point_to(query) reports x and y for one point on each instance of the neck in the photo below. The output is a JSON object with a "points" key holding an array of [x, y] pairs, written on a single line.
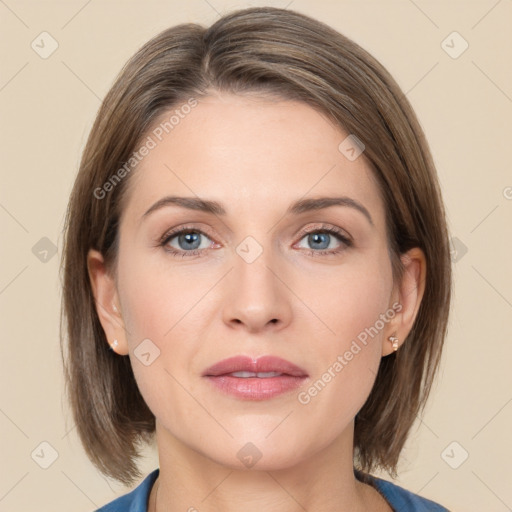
{"points": [[190, 481]]}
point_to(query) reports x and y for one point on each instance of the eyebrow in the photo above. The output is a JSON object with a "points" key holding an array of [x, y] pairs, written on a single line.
{"points": [[296, 208]]}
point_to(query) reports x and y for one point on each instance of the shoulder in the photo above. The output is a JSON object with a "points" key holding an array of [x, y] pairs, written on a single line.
{"points": [[401, 499], [134, 501]]}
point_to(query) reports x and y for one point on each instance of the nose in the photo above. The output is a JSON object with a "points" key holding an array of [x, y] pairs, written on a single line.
{"points": [[257, 298]]}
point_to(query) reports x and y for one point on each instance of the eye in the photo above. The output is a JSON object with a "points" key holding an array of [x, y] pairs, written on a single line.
{"points": [[187, 242], [321, 239]]}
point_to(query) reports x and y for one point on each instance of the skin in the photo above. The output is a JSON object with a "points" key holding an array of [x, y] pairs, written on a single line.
{"points": [[254, 155]]}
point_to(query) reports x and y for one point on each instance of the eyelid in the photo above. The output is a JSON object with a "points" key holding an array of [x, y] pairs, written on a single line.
{"points": [[322, 226], [180, 229]]}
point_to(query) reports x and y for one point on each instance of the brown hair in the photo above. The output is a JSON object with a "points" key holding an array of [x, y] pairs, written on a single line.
{"points": [[262, 50]]}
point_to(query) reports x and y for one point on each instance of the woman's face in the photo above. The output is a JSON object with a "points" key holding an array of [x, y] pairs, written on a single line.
{"points": [[255, 280]]}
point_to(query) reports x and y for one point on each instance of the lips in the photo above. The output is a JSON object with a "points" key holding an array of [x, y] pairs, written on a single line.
{"points": [[255, 379], [263, 367]]}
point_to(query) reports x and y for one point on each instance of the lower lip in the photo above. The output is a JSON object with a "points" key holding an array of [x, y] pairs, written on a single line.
{"points": [[255, 388]]}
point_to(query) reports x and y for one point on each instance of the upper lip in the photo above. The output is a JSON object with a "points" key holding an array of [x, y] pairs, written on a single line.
{"points": [[261, 364]]}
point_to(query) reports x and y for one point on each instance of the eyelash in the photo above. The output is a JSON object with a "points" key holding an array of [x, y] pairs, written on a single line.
{"points": [[188, 230]]}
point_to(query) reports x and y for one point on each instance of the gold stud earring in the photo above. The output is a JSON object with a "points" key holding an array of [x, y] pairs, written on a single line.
{"points": [[394, 342]]}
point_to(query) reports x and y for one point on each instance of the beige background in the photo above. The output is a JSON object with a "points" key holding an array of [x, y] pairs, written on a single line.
{"points": [[464, 104]]}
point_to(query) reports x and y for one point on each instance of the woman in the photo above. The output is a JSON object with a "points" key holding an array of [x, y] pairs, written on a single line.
{"points": [[272, 373]]}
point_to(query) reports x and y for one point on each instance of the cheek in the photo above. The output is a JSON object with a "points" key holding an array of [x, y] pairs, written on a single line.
{"points": [[355, 308], [362, 309], [155, 300], [162, 314], [350, 300]]}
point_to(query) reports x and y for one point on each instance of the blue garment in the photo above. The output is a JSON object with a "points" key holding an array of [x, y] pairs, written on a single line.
{"points": [[398, 498]]}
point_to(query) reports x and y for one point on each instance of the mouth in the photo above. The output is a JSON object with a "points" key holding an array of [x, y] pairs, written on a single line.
{"points": [[255, 379]]}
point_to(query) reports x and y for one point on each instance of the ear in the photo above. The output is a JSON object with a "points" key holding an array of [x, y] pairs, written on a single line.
{"points": [[107, 302], [406, 297]]}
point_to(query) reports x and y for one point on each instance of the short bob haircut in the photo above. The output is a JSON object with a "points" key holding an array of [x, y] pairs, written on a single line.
{"points": [[286, 55]]}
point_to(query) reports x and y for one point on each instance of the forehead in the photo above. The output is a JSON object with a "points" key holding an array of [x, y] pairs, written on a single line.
{"points": [[251, 153]]}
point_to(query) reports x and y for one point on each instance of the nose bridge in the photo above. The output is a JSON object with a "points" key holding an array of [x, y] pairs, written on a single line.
{"points": [[253, 260]]}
